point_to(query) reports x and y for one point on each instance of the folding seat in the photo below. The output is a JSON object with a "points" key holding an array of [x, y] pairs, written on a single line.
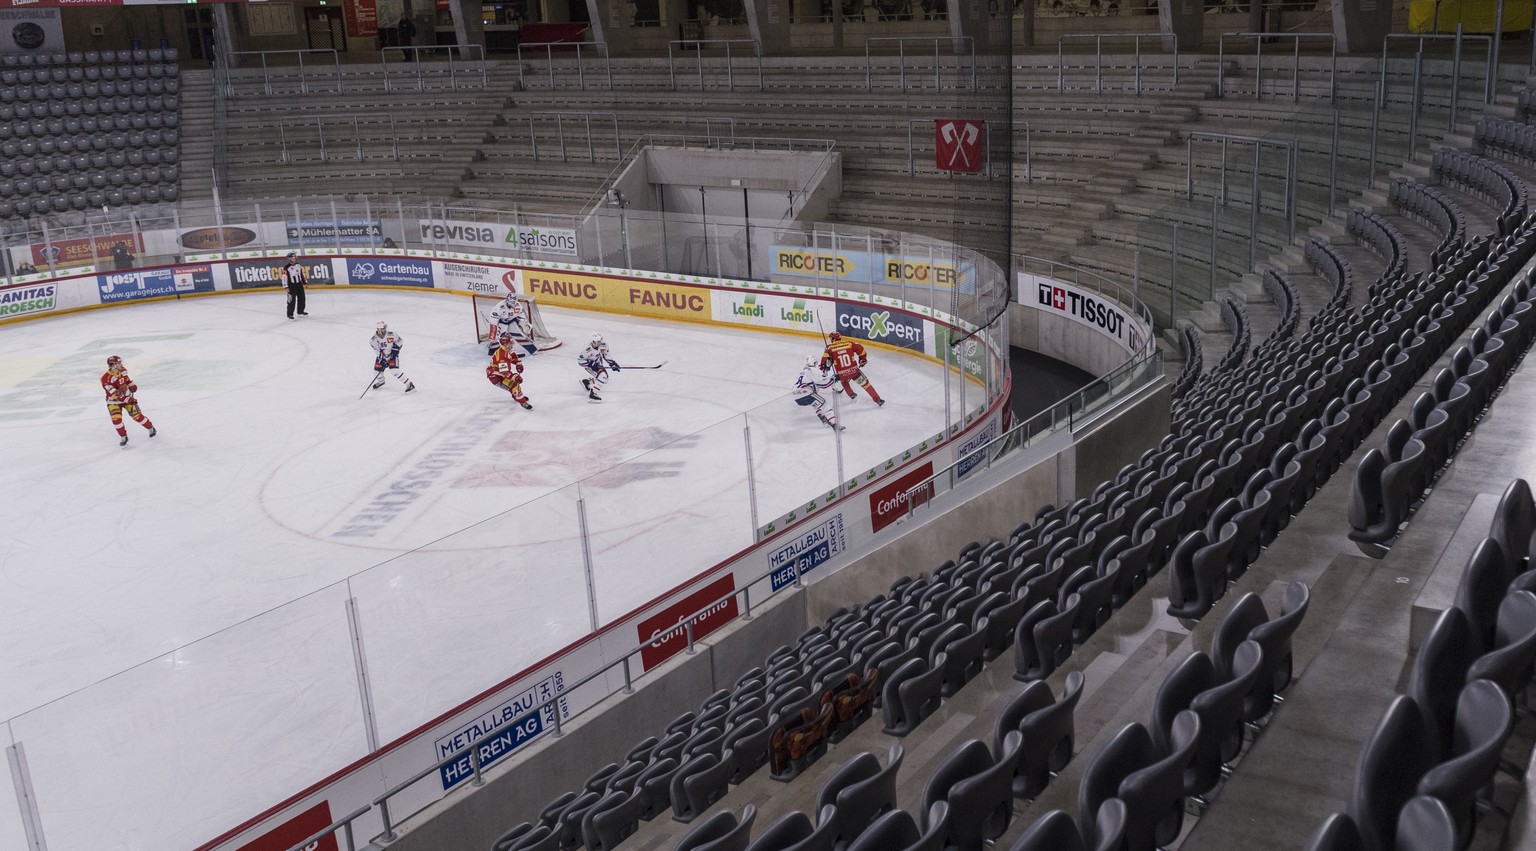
{"points": [[860, 791], [794, 832], [1483, 720], [1514, 525], [721, 832], [1197, 572], [1509, 663], [1220, 709], [1394, 759], [978, 787], [911, 695]]}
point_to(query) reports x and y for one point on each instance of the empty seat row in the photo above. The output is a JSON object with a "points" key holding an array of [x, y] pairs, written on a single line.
{"points": [[93, 200], [87, 57], [1488, 180], [44, 185], [1425, 773], [1391, 479], [25, 101], [87, 106], [1278, 286], [25, 84], [1432, 208], [1194, 356], [1382, 238]]}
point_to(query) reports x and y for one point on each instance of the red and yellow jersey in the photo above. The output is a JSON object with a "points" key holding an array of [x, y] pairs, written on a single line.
{"points": [[843, 356], [119, 387], [504, 364]]}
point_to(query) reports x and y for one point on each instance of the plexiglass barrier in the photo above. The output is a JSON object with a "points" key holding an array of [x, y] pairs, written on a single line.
{"points": [[239, 720]]}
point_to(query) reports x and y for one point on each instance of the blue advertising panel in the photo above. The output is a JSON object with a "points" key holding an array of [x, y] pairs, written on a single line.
{"points": [[880, 325], [390, 271], [149, 283]]}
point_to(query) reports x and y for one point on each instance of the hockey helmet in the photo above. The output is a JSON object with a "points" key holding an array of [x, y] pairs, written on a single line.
{"points": [[810, 360], [505, 340], [597, 339], [380, 327], [834, 337], [114, 362]]}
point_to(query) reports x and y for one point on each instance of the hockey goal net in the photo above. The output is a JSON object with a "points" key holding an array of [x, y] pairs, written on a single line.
{"points": [[485, 304]]}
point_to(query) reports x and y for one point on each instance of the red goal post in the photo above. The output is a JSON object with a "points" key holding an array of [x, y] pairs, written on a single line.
{"points": [[483, 305]]}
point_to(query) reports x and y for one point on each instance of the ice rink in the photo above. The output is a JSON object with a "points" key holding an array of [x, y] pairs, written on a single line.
{"points": [[451, 515]]}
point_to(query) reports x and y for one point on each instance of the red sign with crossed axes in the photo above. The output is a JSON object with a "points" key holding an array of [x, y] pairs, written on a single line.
{"points": [[957, 144]]}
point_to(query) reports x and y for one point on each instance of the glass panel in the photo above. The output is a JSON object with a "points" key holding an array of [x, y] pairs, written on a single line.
{"points": [[157, 738], [445, 622]]}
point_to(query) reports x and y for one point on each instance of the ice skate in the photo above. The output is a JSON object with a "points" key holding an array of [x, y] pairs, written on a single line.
{"points": [[526, 405], [123, 441], [879, 403], [378, 382], [591, 391], [152, 431], [409, 386]]}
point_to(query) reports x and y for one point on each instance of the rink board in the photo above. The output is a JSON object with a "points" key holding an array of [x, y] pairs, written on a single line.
{"points": [[511, 714]]}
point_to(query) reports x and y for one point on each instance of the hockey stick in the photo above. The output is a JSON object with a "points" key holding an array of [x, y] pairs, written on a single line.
{"points": [[366, 389], [657, 366]]}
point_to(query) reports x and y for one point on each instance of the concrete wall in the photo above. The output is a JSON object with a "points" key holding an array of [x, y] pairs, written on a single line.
{"points": [[1066, 467], [1062, 339]]}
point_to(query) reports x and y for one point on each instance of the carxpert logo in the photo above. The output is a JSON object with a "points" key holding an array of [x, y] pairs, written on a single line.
{"points": [[880, 325], [395, 273]]}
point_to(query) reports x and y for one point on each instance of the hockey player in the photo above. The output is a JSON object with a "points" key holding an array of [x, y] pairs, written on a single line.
{"points": [[386, 355], [120, 389], [509, 316], [596, 360], [811, 379], [506, 370], [845, 357]]}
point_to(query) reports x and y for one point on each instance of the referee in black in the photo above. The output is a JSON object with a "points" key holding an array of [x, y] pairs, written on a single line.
{"points": [[294, 279]]}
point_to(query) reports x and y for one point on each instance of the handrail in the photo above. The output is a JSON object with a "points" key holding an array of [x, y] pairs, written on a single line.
{"points": [[987, 148], [560, 117], [1098, 283], [1019, 436], [1258, 62], [548, 704], [1291, 147], [266, 78], [730, 64], [343, 824], [355, 118], [1098, 56], [549, 56], [901, 40], [1459, 38], [415, 52]]}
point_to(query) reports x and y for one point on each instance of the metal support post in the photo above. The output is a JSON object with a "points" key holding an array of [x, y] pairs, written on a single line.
{"points": [[1455, 79], [1173, 274], [1376, 127], [1493, 63], [1413, 105], [1253, 215], [1214, 224], [746, 438], [586, 558]]}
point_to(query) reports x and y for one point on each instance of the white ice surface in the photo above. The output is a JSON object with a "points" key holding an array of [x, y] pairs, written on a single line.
{"points": [[267, 467]]}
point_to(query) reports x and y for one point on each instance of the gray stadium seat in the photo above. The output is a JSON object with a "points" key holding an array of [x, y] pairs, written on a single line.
{"points": [[152, 194]]}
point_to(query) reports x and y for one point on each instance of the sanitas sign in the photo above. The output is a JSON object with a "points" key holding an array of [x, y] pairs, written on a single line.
{"points": [[525, 238], [35, 298]]}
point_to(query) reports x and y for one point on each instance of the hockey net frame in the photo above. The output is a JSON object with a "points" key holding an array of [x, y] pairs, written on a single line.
{"points": [[483, 304]]}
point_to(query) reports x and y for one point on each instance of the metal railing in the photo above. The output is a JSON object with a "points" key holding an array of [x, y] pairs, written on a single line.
{"points": [[1067, 414], [901, 52], [333, 72], [1098, 56], [730, 61], [549, 57], [422, 73], [1259, 144], [713, 143], [343, 119], [549, 708], [533, 138], [1258, 62], [1457, 40]]}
